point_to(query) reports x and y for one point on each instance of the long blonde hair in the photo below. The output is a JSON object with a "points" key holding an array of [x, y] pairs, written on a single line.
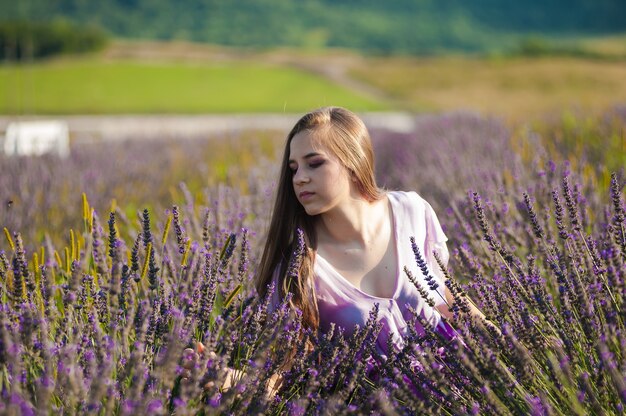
{"points": [[343, 134]]}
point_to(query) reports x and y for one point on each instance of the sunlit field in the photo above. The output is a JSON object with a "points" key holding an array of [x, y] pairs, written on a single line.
{"points": [[116, 259], [514, 88]]}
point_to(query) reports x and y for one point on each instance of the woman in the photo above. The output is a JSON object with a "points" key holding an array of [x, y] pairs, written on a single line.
{"points": [[357, 236]]}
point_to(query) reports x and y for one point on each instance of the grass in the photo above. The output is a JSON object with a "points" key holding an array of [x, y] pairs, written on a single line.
{"points": [[98, 86], [513, 88]]}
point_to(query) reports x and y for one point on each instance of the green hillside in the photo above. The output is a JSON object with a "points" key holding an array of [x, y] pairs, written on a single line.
{"points": [[392, 26], [97, 86]]}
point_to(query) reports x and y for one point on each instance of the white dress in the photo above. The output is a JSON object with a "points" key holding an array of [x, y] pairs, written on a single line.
{"points": [[341, 302]]}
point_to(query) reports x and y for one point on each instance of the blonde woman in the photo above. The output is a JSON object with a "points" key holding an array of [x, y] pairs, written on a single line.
{"points": [[359, 238]]}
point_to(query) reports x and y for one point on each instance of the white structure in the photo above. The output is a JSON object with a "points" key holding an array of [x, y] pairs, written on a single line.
{"points": [[26, 138]]}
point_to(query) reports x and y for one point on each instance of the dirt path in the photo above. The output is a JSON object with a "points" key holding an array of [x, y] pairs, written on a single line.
{"points": [[336, 68]]}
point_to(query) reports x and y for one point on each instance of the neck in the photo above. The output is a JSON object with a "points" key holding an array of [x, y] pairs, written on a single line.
{"points": [[357, 221]]}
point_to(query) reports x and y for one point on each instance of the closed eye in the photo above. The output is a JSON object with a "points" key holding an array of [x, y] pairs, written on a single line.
{"points": [[316, 164]]}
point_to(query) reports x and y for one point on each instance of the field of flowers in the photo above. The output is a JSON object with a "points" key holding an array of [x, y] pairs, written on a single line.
{"points": [[117, 259]]}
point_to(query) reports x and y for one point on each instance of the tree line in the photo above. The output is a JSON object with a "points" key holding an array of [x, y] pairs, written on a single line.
{"points": [[23, 40], [392, 26]]}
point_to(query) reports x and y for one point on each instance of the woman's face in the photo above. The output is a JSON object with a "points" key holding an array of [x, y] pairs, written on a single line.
{"points": [[320, 181]]}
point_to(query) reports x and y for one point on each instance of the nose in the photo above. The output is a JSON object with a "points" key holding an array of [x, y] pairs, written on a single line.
{"points": [[300, 177]]}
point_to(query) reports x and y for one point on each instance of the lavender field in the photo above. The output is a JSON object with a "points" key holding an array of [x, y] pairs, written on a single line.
{"points": [[117, 259]]}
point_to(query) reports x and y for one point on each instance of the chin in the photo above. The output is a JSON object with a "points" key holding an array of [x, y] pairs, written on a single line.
{"points": [[312, 210]]}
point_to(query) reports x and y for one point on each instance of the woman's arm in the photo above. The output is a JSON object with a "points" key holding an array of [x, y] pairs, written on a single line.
{"points": [[445, 311], [191, 357]]}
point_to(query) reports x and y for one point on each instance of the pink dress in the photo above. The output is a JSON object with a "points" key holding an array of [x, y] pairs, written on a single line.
{"points": [[341, 302]]}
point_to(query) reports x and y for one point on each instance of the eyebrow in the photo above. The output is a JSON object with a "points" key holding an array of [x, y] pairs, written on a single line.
{"points": [[307, 156]]}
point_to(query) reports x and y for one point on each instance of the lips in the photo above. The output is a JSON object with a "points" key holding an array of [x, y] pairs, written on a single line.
{"points": [[305, 195]]}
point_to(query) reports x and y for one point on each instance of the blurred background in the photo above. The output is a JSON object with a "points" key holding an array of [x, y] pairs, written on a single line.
{"points": [[507, 58]]}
